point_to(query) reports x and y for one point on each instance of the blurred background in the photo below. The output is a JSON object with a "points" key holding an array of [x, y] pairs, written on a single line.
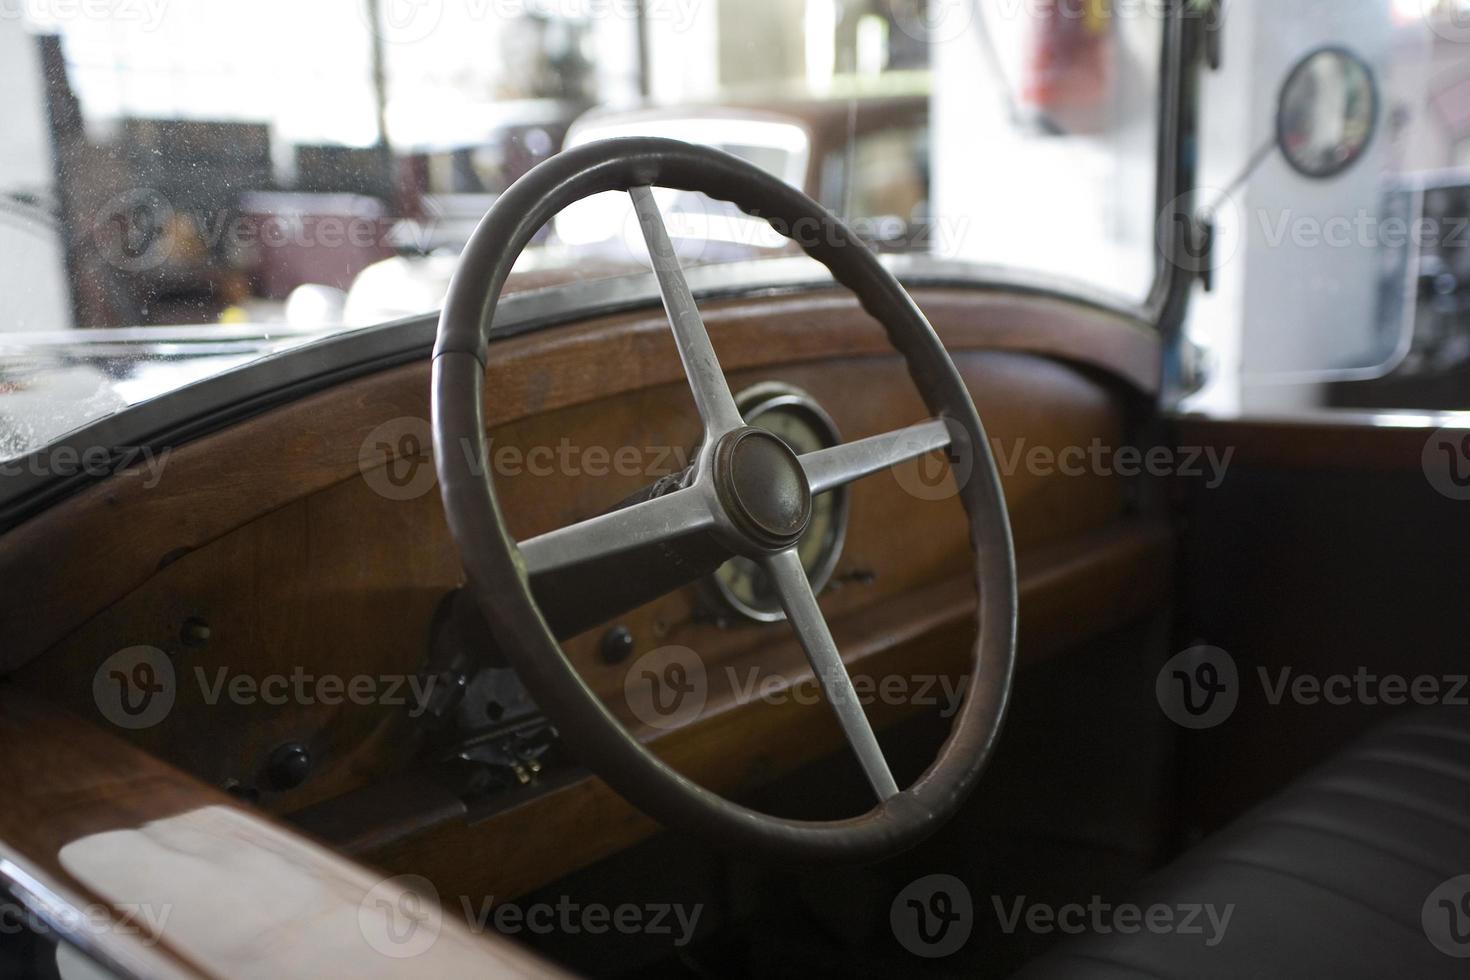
{"points": [[186, 162], [222, 181]]}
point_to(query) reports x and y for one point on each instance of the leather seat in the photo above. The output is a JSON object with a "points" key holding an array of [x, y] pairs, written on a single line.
{"points": [[1342, 875]]}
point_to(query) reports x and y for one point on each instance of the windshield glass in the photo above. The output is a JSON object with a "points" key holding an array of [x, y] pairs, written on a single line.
{"points": [[186, 186]]}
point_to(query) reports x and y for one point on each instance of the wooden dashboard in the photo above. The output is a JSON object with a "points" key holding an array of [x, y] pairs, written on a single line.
{"points": [[278, 547]]}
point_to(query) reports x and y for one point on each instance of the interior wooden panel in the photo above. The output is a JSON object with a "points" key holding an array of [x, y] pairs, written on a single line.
{"points": [[1070, 592], [272, 534], [217, 484], [1347, 442], [1346, 566], [91, 823], [344, 581]]}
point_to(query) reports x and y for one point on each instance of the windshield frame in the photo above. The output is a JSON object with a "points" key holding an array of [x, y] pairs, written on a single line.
{"points": [[31, 483]]}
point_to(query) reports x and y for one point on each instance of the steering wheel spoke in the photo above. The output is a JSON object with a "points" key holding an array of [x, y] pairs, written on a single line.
{"points": [[712, 396], [837, 466], [806, 618], [666, 518]]}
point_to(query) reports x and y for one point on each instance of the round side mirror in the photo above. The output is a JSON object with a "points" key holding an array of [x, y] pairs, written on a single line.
{"points": [[1327, 113]]}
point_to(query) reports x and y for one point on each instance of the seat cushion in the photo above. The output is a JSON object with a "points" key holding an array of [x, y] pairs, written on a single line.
{"points": [[1345, 874]]}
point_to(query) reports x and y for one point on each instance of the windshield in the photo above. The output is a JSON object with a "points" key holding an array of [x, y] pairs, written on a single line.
{"points": [[186, 186]]}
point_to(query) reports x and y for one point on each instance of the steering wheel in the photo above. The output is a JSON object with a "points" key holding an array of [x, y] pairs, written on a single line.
{"points": [[746, 488]]}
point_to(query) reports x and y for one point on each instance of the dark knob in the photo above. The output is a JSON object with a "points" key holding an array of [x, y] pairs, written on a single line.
{"points": [[195, 632], [617, 645], [288, 766]]}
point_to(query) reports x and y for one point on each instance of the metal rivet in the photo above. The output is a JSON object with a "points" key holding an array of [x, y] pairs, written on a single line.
{"points": [[195, 632]]}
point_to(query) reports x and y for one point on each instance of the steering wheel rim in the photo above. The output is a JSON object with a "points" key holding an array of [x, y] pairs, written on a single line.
{"points": [[497, 569]]}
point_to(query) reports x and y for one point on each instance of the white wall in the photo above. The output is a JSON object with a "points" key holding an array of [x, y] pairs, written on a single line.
{"points": [[33, 271], [684, 51], [1078, 205], [1289, 313]]}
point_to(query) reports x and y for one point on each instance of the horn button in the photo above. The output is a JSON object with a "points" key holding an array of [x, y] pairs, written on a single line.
{"points": [[763, 488]]}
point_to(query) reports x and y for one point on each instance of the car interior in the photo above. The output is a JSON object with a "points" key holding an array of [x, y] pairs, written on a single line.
{"points": [[851, 488]]}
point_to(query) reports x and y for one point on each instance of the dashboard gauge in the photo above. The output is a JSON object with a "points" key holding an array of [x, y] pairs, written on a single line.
{"points": [[741, 584]]}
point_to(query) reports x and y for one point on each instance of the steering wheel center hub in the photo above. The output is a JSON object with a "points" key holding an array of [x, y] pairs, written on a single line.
{"points": [[763, 488]]}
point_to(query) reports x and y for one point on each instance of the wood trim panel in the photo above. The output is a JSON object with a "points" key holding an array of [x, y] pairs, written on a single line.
{"points": [[279, 534], [73, 561], [177, 880], [1069, 593], [344, 582], [1348, 441]]}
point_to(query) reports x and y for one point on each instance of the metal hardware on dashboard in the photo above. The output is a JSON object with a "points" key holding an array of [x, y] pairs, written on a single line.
{"points": [[1193, 367], [288, 766], [473, 686], [1213, 16], [195, 632], [457, 634], [508, 759], [480, 719], [237, 789], [740, 588], [617, 645]]}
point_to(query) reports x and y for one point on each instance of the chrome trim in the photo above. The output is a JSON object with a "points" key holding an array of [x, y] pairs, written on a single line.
{"points": [[27, 340], [653, 521], [838, 466], [815, 637], [706, 379], [60, 909], [755, 401], [1346, 418]]}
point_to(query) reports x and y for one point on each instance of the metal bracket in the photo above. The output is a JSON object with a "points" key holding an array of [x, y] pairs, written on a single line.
{"points": [[1203, 249], [1213, 14]]}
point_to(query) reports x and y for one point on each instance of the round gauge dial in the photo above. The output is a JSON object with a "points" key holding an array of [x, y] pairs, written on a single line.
{"points": [[743, 585]]}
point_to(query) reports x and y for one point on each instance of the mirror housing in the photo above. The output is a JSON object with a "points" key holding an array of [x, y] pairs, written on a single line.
{"points": [[1327, 113]]}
